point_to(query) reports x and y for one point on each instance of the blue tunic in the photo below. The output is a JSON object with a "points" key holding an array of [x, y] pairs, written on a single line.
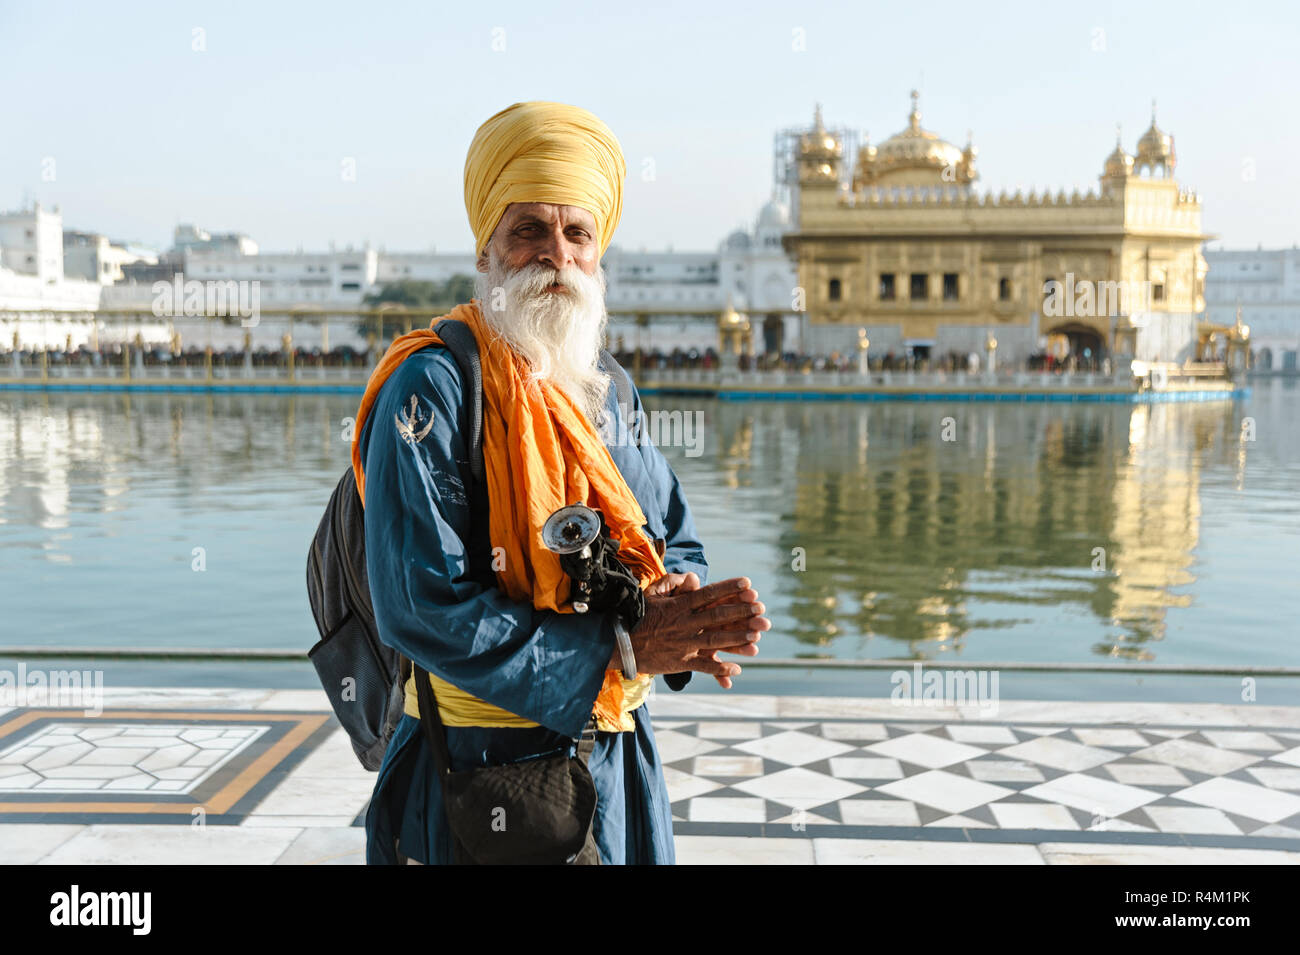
{"points": [[428, 556]]}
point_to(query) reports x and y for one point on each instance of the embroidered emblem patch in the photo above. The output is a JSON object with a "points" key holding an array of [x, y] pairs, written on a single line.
{"points": [[408, 424]]}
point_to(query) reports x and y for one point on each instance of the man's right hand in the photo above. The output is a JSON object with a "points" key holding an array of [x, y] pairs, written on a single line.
{"points": [[687, 628]]}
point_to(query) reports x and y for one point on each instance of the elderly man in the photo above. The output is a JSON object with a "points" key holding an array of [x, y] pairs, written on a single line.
{"points": [[464, 586]]}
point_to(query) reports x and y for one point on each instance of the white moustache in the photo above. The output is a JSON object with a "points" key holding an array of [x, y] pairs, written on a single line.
{"points": [[535, 280]]}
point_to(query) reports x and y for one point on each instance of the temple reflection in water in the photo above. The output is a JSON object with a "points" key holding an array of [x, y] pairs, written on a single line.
{"points": [[1090, 509]]}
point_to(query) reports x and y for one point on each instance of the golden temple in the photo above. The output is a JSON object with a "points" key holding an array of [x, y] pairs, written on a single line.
{"points": [[897, 241]]}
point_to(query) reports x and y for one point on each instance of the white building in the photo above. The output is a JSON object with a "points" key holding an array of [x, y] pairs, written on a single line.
{"points": [[31, 243], [267, 282], [423, 266], [681, 293], [32, 280], [1265, 284], [92, 257], [291, 278], [187, 237]]}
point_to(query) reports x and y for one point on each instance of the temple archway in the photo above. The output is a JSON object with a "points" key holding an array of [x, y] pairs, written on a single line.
{"points": [[1078, 340], [773, 334]]}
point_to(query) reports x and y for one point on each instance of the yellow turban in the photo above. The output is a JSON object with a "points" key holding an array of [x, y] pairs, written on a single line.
{"points": [[543, 152]]}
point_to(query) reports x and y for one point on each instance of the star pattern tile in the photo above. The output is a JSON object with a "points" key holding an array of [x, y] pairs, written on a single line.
{"points": [[147, 764], [120, 758]]}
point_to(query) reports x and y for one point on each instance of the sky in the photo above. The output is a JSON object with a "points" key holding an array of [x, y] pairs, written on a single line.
{"points": [[248, 116]]}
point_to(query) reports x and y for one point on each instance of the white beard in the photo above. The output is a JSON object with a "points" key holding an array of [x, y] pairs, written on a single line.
{"points": [[559, 334]]}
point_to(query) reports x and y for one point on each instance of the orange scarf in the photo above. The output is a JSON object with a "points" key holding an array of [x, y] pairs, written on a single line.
{"points": [[540, 453]]}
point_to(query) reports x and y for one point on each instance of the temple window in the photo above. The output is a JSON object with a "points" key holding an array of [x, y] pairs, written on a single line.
{"points": [[834, 291], [950, 286], [920, 287], [1004, 289], [887, 293]]}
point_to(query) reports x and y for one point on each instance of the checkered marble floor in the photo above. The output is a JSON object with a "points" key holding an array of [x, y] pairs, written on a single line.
{"points": [[753, 776], [183, 775]]}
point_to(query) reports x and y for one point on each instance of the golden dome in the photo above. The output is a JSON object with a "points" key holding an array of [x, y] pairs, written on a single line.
{"points": [[1119, 164], [818, 142], [820, 152], [1155, 149], [915, 150]]}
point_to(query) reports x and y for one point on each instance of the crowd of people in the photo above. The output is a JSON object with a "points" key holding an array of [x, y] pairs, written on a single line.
{"points": [[154, 356], [344, 356], [891, 361]]}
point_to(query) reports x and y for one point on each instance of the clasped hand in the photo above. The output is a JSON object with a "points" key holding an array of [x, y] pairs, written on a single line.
{"points": [[686, 626]]}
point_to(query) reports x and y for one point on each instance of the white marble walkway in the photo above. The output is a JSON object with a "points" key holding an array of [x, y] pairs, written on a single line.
{"points": [[254, 776]]}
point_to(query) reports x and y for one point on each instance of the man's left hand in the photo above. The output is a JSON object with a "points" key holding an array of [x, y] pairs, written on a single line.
{"points": [[672, 583]]}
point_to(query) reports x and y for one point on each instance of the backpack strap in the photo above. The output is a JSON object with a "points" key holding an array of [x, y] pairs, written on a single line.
{"points": [[431, 723], [462, 344], [460, 340], [622, 383]]}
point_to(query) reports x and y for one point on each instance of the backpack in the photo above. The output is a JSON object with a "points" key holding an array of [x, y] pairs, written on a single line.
{"points": [[363, 677]]}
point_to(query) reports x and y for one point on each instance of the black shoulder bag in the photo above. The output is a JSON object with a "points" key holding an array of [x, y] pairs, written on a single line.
{"points": [[534, 812]]}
